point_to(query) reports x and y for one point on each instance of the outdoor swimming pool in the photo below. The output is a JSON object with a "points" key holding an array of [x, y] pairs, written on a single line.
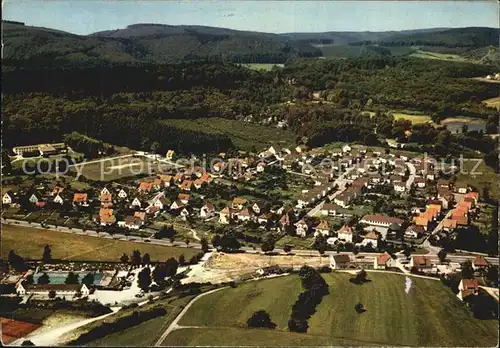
{"points": [[60, 277]]}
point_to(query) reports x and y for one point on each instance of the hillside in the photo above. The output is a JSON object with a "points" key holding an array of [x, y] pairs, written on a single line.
{"points": [[159, 44]]}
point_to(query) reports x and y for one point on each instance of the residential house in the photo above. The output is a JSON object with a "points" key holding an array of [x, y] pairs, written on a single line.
{"points": [[467, 287], [323, 229], [184, 198], [473, 195], [80, 199], [158, 184], [461, 187], [167, 180], [238, 203], [122, 194], [421, 263], [380, 220], [244, 215], [420, 221], [34, 198], [260, 167], [106, 217], [264, 218], [208, 210], [176, 205], [141, 216], [186, 185], [198, 183], [449, 225], [206, 178], [170, 155], [8, 198], [329, 209], [399, 187], [56, 190], [480, 263], [185, 213], [60, 289], [130, 222], [370, 238], [302, 228], [344, 199], [106, 198], [136, 203], [258, 207], [178, 178], [161, 203], [443, 184], [419, 182], [346, 148], [414, 231], [58, 199], [145, 186], [384, 261], [345, 233], [226, 215], [105, 191], [341, 261]]}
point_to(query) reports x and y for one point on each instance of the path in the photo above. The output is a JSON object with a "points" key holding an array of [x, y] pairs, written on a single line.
{"points": [[411, 178], [174, 325]]}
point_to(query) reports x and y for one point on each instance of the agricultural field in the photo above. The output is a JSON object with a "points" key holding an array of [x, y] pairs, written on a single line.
{"points": [[439, 56], [114, 169], [28, 242], [244, 135], [428, 315], [14, 329]]}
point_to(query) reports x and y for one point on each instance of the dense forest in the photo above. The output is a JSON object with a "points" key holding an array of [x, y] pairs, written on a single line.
{"points": [[131, 106]]}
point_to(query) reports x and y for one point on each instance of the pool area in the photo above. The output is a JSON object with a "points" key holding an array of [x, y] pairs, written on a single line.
{"points": [[60, 277]]}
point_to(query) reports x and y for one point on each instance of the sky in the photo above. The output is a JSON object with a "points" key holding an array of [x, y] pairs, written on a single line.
{"points": [[88, 16]]}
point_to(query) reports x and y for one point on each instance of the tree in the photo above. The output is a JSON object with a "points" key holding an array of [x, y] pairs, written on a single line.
{"points": [[229, 243], [124, 258], [146, 259], [88, 279], [260, 319], [6, 163], [144, 279], [492, 275], [287, 248], [216, 240], [27, 343], [155, 147], [359, 308], [467, 270], [442, 255], [159, 273], [407, 251], [29, 280], [171, 266], [72, 278], [268, 245], [182, 260], [16, 261], [204, 245], [47, 254], [360, 278], [52, 294], [187, 241], [44, 279], [136, 258], [320, 244]]}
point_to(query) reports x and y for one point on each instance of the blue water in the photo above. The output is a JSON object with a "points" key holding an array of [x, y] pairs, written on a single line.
{"points": [[60, 277]]}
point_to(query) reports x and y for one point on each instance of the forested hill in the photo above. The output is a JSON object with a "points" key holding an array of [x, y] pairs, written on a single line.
{"points": [[159, 44], [146, 43]]}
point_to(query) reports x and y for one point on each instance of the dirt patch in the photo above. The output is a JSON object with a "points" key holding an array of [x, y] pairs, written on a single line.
{"points": [[14, 329], [249, 262]]}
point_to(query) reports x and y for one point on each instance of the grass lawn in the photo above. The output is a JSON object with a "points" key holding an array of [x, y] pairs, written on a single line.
{"points": [[429, 315], [482, 176], [415, 119], [29, 242], [243, 134], [295, 242], [493, 102], [147, 333]]}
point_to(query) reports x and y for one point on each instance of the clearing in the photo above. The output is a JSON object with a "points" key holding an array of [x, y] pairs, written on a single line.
{"points": [[28, 242], [261, 66], [415, 119], [493, 102], [429, 315], [244, 135], [117, 168]]}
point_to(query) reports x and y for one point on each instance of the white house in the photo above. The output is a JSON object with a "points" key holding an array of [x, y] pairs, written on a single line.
{"points": [[370, 238], [176, 205], [122, 194], [60, 289], [322, 229], [341, 261], [184, 213], [399, 187], [380, 220], [345, 233], [467, 287], [207, 211], [7, 198], [302, 228], [58, 199], [136, 203], [225, 215], [346, 148], [105, 191], [34, 198], [244, 215]]}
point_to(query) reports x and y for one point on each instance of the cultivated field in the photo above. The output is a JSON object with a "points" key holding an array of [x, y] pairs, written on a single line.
{"points": [[415, 119], [429, 315], [29, 242], [244, 135]]}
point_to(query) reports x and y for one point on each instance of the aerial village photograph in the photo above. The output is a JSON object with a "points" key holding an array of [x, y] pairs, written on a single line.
{"points": [[250, 173]]}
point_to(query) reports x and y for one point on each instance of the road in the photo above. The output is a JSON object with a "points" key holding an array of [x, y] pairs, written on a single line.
{"points": [[174, 325], [411, 178], [194, 245]]}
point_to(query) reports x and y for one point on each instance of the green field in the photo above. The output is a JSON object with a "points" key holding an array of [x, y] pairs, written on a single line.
{"points": [[243, 134], [28, 242], [113, 169], [415, 119], [429, 315], [261, 66], [482, 177]]}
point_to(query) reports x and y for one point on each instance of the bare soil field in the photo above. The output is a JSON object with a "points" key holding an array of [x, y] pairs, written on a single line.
{"points": [[14, 329]]}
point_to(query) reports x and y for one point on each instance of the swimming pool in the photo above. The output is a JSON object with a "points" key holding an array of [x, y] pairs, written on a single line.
{"points": [[60, 277]]}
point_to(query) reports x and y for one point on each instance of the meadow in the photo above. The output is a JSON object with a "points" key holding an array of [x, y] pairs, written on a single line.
{"points": [[428, 315], [114, 169], [29, 242]]}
